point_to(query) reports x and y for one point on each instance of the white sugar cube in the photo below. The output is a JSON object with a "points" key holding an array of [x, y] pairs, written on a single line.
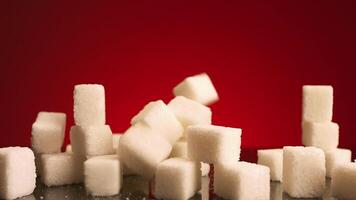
{"points": [[198, 88], [213, 144], [69, 149], [89, 104], [48, 132], [336, 157], [157, 116], [103, 175], [115, 141], [177, 178], [17, 172], [61, 169], [317, 103], [91, 140], [323, 135], [141, 150], [272, 158], [343, 181], [242, 180], [205, 169], [190, 112], [180, 149], [303, 172]]}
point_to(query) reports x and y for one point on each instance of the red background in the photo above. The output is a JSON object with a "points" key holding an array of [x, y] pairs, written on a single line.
{"points": [[258, 55]]}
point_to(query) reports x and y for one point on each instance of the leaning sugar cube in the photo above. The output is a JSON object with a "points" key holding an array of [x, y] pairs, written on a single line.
{"points": [[190, 112], [336, 157], [323, 135], [48, 132], [89, 104], [141, 150], [17, 172], [213, 144], [303, 172], [177, 178], [198, 88], [103, 175], [242, 180], [61, 169], [343, 181], [91, 140], [272, 158], [317, 103], [157, 116]]}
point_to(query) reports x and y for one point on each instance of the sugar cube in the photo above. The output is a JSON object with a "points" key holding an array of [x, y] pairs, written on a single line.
{"points": [[177, 178], [198, 88], [115, 141], [17, 172], [242, 180], [323, 135], [157, 116], [303, 172], [180, 149], [91, 140], [61, 169], [336, 157], [317, 103], [213, 144], [272, 158], [89, 104], [69, 149], [48, 132], [190, 112], [103, 175], [343, 181], [141, 150], [205, 169]]}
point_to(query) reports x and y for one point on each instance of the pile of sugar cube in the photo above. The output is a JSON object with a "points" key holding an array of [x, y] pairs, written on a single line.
{"points": [[172, 145]]}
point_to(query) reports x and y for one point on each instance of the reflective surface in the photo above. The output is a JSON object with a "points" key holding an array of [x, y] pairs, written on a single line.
{"points": [[136, 188]]}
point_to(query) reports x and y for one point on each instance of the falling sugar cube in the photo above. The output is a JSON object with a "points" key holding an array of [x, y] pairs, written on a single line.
{"points": [[177, 178], [103, 175], [303, 172], [323, 135], [214, 144], [18, 172], [198, 88], [61, 169], [336, 157], [272, 158], [48, 132], [343, 181], [317, 103], [242, 180], [89, 104], [91, 140], [157, 116]]}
